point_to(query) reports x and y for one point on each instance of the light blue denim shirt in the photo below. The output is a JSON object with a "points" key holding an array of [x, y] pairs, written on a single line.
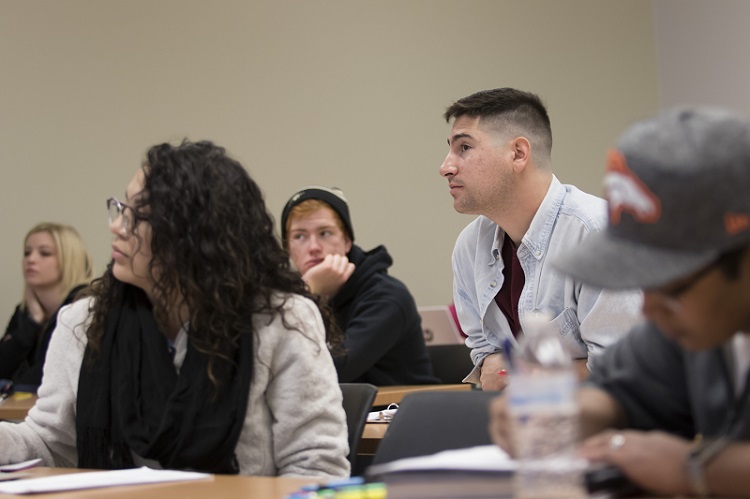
{"points": [[587, 317]]}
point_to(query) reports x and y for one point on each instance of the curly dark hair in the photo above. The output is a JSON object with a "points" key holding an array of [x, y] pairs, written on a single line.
{"points": [[213, 244]]}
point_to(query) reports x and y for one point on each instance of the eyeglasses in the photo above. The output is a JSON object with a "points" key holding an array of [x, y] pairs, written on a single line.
{"points": [[117, 210], [672, 295]]}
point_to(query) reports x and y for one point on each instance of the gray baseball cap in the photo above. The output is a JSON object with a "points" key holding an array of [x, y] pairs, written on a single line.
{"points": [[678, 192]]}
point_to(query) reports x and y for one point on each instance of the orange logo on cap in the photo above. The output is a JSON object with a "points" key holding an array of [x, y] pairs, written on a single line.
{"points": [[627, 193], [736, 222]]}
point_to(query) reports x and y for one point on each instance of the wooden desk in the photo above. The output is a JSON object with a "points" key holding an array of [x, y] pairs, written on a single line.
{"points": [[15, 407], [371, 437], [393, 394], [221, 486]]}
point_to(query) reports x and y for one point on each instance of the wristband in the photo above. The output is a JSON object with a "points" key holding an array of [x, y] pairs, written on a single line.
{"points": [[698, 458]]}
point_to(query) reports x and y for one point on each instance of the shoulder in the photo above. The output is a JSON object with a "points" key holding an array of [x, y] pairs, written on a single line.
{"points": [[584, 209], [294, 329], [75, 317], [21, 318], [643, 342], [292, 313], [386, 287], [297, 305], [79, 309], [379, 299]]}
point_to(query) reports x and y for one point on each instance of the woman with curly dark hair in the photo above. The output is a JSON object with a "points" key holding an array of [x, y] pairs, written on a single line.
{"points": [[199, 348]]}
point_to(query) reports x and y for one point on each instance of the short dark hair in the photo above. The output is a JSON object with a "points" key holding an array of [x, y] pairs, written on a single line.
{"points": [[730, 262], [508, 106]]}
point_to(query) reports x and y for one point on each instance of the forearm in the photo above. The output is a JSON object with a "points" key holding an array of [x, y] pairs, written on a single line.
{"points": [[599, 411], [20, 443], [17, 344], [49, 430], [727, 474], [467, 310], [22, 329], [478, 354]]}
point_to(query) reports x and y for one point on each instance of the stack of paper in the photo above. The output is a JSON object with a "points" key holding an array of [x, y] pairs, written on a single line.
{"points": [[483, 458], [97, 479]]}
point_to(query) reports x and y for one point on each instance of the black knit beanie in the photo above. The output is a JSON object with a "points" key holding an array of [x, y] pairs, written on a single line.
{"points": [[331, 196]]}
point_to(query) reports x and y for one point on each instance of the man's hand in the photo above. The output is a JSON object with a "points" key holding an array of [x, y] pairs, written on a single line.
{"points": [[489, 377], [328, 276], [653, 460]]}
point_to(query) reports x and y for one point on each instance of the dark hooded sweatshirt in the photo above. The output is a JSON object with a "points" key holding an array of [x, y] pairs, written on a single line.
{"points": [[383, 333]]}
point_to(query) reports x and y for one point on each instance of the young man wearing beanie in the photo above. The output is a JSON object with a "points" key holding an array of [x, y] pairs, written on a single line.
{"points": [[499, 167], [383, 342], [669, 404]]}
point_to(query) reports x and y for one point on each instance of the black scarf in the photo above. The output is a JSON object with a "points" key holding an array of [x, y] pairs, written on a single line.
{"points": [[131, 399]]}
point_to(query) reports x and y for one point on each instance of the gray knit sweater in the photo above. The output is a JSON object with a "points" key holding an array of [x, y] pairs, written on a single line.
{"points": [[295, 423]]}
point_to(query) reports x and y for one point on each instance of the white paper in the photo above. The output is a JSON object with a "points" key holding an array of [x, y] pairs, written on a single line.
{"points": [[383, 416], [97, 479], [479, 458], [20, 466], [4, 477]]}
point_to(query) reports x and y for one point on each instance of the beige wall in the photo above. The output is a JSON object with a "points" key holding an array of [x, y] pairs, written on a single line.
{"points": [[335, 92], [701, 49]]}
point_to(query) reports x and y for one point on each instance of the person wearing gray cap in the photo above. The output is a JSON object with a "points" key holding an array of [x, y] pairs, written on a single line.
{"points": [[669, 404], [383, 340], [499, 167]]}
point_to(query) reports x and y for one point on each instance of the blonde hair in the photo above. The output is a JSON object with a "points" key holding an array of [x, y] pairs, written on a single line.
{"points": [[73, 259]]}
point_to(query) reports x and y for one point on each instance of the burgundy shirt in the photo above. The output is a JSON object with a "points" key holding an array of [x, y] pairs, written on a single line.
{"points": [[514, 279]]}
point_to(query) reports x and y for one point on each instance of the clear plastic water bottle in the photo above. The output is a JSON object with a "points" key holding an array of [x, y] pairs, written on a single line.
{"points": [[542, 403]]}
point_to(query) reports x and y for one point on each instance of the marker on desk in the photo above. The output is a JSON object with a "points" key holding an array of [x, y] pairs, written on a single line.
{"points": [[508, 355], [334, 484], [349, 488]]}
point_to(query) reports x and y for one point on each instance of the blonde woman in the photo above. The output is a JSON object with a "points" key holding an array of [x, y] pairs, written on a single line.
{"points": [[56, 266]]}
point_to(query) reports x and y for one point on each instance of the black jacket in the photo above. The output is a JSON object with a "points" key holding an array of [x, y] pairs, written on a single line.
{"points": [[23, 348], [384, 343]]}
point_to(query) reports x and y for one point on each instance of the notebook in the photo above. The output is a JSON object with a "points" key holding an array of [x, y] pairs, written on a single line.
{"points": [[483, 471], [438, 326]]}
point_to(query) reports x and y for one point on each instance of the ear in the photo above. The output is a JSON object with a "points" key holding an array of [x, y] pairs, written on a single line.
{"points": [[521, 151], [348, 246]]}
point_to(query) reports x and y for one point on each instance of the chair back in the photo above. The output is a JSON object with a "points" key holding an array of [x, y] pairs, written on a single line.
{"points": [[450, 363], [429, 422], [358, 400]]}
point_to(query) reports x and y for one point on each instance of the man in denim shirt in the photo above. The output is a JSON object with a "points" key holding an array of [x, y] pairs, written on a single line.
{"points": [[499, 167]]}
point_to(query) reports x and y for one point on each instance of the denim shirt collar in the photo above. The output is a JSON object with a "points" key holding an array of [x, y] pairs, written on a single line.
{"points": [[537, 237]]}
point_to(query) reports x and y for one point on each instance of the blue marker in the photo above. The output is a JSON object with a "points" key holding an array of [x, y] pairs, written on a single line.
{"points": [[334, 484], [508, 353]]}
